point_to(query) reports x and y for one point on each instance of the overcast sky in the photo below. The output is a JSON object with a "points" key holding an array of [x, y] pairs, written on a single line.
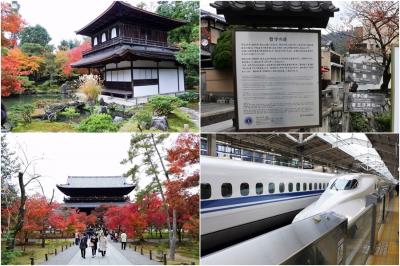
{"points": [[62, 18], [66, 154]]}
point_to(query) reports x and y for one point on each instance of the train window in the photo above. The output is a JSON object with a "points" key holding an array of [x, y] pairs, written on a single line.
{"points": [[226, 190], [271, 188], [244, 189], [205, 191], [290, 187], [304, 186], [315, 186], [281, 187], [309, 186], [259, 188], [323, 185], [297, 186], [320, 186], [342, 184]]}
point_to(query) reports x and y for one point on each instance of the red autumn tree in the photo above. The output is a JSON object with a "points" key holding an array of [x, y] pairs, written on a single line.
{"points": [[14, 65], [151, 205], [11, 24], [36, 215], [184, 161], [126, 218], [73, 56]]}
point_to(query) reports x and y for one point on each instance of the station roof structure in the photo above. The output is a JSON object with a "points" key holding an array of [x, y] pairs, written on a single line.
{"points": [[297, 14], [325, 149]]}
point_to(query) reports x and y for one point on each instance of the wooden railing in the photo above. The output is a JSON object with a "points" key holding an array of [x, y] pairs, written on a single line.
{"points": [[128, 40]]}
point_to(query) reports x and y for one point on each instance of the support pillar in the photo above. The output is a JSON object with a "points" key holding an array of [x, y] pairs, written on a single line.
{"points": [[212, 145]]}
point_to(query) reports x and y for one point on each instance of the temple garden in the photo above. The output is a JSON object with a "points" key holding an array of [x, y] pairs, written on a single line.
{"points": [[81, 108], [158, 211], [128, 69]]}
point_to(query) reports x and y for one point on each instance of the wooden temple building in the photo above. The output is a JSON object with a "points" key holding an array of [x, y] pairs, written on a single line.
{"points": [[131, 53], [88, 192]]}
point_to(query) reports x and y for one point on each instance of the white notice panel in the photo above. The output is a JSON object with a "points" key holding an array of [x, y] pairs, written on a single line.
{"points": [[277, 79]]}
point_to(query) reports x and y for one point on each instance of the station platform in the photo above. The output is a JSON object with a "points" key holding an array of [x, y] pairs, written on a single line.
{"points": [[387, 248]]}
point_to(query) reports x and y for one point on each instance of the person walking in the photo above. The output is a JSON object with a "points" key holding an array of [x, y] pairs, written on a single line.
{"points": [[123, 240], [93, 244], [103, 245], [83, 245], [76, 238]]}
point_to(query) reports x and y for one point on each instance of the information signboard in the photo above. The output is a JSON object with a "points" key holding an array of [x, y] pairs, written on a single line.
{"points": [[363, 102], [277, 79]]}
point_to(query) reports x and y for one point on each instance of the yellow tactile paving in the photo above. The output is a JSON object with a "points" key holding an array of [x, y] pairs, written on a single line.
{"points": [[389, 238]]}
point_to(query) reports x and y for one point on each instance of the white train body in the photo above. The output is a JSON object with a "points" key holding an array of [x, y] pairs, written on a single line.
{"points": [[246, 210], [345, 195]]}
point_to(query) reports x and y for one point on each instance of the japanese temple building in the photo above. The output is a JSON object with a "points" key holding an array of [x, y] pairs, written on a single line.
{"points": [[88, 192], [131, 52]]}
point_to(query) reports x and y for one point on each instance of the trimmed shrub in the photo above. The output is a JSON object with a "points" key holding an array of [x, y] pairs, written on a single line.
{"points": [[384, 122], [21, 114], [164, 104], [98, 123], [143, 118], [70, 112], [189, 96]]}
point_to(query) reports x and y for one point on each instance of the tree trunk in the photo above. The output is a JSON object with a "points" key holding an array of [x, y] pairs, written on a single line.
{"points": [[180, 235], [169, 226], [21, 214], [173, 239], [386, 76]]}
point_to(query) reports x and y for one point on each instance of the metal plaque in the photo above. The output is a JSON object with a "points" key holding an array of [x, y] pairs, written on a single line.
{"points": [[363, 102], [277, 79]]}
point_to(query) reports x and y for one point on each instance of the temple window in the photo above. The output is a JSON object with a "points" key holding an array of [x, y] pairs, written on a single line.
{"points": [[113, 32], [103, 37]]}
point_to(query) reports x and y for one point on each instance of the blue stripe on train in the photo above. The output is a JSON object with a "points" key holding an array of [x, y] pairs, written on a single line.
{"points": [[255, 200]]}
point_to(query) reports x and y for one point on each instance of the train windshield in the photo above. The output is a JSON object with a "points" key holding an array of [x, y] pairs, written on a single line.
{"points": [[342, 184]]}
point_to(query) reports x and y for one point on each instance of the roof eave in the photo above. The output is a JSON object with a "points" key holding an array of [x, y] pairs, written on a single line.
{"points": [[84, 31]]}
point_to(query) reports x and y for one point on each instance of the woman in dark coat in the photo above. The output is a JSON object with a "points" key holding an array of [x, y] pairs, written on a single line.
{"points": [[93, 244], [83, 245]]}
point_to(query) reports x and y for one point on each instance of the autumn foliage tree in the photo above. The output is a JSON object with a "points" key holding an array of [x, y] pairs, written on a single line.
{"points": [[128, 218], [11, 25], [151, 206], [72, 56], [184, 161]]}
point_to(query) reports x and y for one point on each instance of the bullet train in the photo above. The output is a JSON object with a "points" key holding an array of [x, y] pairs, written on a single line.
{"points": [[345, 195], [242, 199]]}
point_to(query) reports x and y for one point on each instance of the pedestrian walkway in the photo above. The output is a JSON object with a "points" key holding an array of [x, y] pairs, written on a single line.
{"points": [[114, 256]]}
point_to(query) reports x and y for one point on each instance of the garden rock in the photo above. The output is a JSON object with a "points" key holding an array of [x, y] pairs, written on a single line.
{"points": [[64, 88], [103, 110], [118, 119], [51, 111], [159, 123], [102, 102]]}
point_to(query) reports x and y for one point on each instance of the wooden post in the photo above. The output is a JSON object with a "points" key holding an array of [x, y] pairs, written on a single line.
{"points": [[141, 250], [32, 261], [62, 248], [135, 247], [165, 259], [55, 251], [151, 256], [46, 257]]}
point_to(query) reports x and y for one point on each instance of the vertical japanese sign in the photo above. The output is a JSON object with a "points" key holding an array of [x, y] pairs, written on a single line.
{"points": [[277, 77]]}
